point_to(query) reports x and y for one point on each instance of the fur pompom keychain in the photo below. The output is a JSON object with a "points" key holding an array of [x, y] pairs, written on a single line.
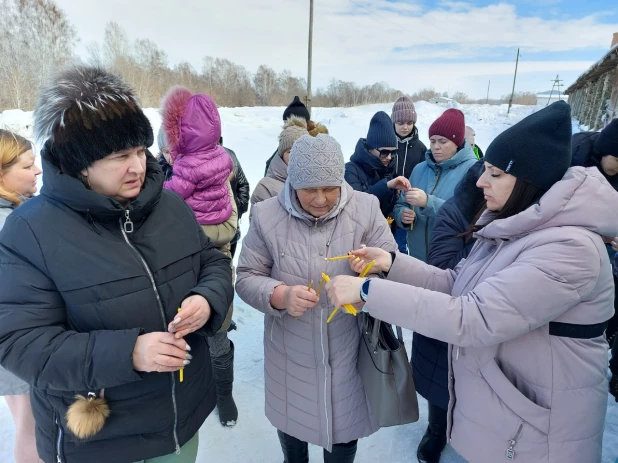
{"points": [[87, 415]]}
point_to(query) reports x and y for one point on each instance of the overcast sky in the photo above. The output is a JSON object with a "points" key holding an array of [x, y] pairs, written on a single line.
{"points": [[410, 44]]}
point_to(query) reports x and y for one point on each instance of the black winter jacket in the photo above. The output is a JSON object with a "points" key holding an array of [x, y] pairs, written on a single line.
{"points": [[269, 161], [166, 168], [364, 172], [410, 152], [76, 290], [584, 154], [446, 250], [240, 185]]}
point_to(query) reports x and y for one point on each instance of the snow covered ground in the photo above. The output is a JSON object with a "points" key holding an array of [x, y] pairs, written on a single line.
{"points": [[252, 133]]}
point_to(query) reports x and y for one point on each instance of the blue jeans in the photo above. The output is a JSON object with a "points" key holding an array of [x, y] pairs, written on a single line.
{"points": [[401, 236]]}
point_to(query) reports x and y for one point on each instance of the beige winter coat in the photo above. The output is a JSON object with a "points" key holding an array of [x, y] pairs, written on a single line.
{"points": [[313, 389], [221, 235], [514, 386], [271, 185]]}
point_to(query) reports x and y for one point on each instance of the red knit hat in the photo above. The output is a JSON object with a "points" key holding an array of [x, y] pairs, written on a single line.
{"points": [[452, 125]]}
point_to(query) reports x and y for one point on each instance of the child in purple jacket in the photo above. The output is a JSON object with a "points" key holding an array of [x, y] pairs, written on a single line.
{"points": [[201, 166], [201, 173]]}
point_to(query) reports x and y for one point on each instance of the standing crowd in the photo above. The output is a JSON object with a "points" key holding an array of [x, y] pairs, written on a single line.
{"points": [[117, 282]]}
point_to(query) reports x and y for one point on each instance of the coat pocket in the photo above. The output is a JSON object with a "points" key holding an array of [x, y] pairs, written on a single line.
{"points": [[518, 403]]}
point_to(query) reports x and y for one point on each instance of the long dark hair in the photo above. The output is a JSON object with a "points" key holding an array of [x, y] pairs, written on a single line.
{"points": [[523, 196]]}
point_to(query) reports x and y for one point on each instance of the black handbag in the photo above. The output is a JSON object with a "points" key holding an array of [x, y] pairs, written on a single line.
{"points": [[386, 373]]}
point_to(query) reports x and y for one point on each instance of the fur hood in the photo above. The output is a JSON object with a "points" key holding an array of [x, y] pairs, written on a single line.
{"points": [[191, 122], [315, 128], [295, 121]]}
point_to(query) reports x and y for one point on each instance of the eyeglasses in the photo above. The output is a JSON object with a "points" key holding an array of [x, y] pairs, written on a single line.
{"points": [[386, 153]]}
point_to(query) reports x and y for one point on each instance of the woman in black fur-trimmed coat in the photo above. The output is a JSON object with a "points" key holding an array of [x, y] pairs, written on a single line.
{"points": [[92, 274]]}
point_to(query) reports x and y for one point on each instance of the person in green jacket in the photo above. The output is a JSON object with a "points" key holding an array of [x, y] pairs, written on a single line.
{"points": [[434, 180]]}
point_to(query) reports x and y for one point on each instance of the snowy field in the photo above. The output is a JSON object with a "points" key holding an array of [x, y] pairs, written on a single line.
{"points": [[252, 133]]}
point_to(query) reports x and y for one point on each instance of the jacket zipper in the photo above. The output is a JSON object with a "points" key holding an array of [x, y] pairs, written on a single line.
{"points": [[510, 451], [58, 442], [125, 228], [437, 177], [324, 360]]}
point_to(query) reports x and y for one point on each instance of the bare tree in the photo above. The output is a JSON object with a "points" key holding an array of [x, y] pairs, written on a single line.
{"points": [[461, 97], [35, 38], [425, 94], [144, 66], [522, 98]]}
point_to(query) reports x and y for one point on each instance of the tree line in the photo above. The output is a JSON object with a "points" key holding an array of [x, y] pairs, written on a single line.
{"points": [[36, 38]]}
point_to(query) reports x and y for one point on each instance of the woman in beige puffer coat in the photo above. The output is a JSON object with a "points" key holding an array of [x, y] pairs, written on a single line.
{"points": [[313, 389]]}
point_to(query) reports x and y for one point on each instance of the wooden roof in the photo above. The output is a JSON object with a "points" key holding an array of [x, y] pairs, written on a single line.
{"points": [[605, 64]]}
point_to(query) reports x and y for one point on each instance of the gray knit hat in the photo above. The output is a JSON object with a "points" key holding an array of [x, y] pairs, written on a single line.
{"points": [[316, 162], [294, 128]]}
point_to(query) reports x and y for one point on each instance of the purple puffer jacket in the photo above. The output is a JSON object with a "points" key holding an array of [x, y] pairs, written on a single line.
{"points": [[201, 166], [515, 389]]}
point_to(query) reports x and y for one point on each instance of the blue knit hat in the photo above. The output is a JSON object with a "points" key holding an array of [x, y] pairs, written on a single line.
{"points": [[381, 132]]}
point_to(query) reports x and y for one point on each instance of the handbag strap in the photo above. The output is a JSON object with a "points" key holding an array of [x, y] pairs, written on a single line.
{"points": [[376, 332]]}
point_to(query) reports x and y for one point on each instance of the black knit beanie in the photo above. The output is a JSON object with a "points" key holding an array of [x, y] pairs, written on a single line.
{"points": [[296, 108], [537, 149], [607, 141], [86, 114]]}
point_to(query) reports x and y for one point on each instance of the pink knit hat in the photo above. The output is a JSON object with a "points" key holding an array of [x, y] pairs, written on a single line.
{"points": [[452, 125], [403, 110]]}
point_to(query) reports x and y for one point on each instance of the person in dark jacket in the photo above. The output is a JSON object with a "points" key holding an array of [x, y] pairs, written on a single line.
{"points": [[613, 364], [430, 356], [600, 150], [371, 168], [410, 151], [93, 272], [242, 193]]}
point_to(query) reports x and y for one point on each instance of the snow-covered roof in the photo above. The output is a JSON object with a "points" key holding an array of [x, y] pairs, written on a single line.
{"points": [[609, 61]]}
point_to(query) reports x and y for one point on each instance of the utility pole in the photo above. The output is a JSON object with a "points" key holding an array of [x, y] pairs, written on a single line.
{"points": [[514, 79], [487, 99], [310, 57]]}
